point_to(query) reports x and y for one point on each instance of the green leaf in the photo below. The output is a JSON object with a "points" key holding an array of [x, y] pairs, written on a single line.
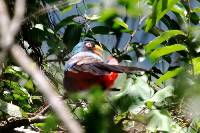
{"points": [[40, 33], [29, 85], [16, 71], [108, 14], [72, 35], [92, 17], [119, 22], [66, 9], [120, 82], [197, 9], [100, 30], [196, 65], [181, 13], [72, 2], [134, 95], [180, 9], [158, 121], [162, 94], [157, 53], [17, 89], [170, 23], [51, 123], [169, 75], [163, 37], [194, 17], [80, 112], [10, 109], [160, 8], [65, 22]]}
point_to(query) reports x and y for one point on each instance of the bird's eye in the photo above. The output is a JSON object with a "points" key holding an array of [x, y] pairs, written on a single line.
{"points": [[89, 45]]}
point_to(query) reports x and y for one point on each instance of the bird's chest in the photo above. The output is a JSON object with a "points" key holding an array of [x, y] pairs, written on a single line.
{"points": [[85, 80]]}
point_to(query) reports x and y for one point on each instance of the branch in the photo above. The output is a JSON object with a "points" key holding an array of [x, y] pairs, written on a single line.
{"points": [[132, 35], [45, 88], [57, 60], [9, 28], [6, 43], [14, 122]]}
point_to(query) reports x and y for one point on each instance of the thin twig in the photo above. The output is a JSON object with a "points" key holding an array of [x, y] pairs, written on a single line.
{"points": [[50, 8], [44, 110], [132, 35], [57, 60]]}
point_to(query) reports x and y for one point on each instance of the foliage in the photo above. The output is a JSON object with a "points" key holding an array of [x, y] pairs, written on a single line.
{"points": [[165, 98]]}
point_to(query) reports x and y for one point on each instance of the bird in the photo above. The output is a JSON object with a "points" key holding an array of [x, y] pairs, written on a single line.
{"points": [[87, 68]]}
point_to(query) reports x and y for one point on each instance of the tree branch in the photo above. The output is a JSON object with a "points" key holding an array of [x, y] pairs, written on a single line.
{"points": [[14, 122], [8, 30], [45, 88]]}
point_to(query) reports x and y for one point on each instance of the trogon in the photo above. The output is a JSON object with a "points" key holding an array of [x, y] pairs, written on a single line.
{"points": [[87, 67]]}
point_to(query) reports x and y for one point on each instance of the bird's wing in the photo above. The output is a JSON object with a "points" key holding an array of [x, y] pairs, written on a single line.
{"points": [[91, 63], [100, 68]]}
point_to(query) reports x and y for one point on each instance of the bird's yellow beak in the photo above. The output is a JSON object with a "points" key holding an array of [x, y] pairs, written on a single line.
{"points": [[98, 50]]}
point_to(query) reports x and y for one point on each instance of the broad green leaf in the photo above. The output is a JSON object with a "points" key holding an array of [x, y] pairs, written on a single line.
{"points": [[16, 71], [29, 85], [134, 95], [120, 82], [180, 9], [196, 65], [10, 109], [17, 88], [120, 117], [197, 9], [169, 75], [51, 123], [40, 33], [163, 7], [18, 97], [108, 14], [157, 53], [119, 22], [72, 2], [80, 112], [170, 23], [72, 35], [194, 31], [163, 37], [100, 30], [7, 95], [160, 8], [65, 22], [161, 95], [194, 18], [158, 121], [135, 7], [67, 5], [66, 9], [37, 34]]}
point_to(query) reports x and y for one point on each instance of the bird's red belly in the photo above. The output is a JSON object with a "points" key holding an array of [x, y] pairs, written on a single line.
{"points": [[84, 80]]}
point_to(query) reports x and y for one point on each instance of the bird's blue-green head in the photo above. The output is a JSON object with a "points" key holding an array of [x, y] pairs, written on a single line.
{"points": [[87, 46]]}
